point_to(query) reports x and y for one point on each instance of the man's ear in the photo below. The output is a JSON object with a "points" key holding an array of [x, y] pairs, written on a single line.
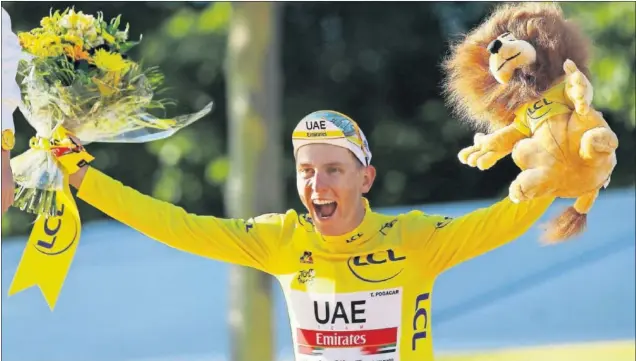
{"points": [[369, 174]]}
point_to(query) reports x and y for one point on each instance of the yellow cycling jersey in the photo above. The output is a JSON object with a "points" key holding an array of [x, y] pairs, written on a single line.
{"points": [[532, 114], [362, 296]]}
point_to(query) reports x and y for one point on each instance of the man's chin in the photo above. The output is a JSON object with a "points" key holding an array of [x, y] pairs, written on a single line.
{"points": [[324, 220], [327, 225]]}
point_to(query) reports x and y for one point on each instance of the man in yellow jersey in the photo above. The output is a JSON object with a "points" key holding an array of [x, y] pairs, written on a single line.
{"points": [[357, 283]]}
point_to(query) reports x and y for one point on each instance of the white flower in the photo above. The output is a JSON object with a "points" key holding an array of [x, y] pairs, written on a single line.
{"points": [[121, 36], [78, 21]]}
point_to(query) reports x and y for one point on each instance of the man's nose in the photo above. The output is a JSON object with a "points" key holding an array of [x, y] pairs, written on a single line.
{"points": [[494, 46], [319, 182]]}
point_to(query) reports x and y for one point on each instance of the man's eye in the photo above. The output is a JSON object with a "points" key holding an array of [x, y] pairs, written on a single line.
{"points": [[333, 170]]}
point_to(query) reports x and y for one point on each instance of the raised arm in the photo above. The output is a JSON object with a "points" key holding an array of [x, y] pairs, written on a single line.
{"points": [[245, 242], [445, 242]]}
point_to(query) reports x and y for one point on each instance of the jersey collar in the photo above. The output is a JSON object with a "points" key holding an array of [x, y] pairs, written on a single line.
{"points": [[363, 232]]}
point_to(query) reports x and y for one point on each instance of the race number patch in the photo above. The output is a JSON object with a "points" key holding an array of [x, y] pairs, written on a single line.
{"points": [[359, 326]]}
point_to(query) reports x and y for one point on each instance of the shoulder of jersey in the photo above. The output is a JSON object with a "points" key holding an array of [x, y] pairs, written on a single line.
{"points": [[274, 224], [433, 220], [301, 220]]}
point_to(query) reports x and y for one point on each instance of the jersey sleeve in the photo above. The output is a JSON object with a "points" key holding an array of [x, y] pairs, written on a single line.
{"points": [[248, 243], [448, 242]]}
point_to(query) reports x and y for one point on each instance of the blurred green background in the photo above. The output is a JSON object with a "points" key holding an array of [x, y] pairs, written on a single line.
{"points": [[377, 62]]}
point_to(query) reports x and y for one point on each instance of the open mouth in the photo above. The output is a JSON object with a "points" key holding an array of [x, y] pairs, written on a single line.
{"points": [[507, 60], [324, 209]]}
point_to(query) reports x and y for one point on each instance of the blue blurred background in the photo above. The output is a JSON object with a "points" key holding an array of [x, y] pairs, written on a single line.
{"points": [[128, 298]]}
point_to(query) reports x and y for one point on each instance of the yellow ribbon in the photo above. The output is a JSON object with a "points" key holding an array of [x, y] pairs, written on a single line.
{"points": [[53, 241]]}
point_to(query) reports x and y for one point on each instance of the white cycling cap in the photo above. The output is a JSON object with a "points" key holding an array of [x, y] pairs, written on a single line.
{"points": [[331, 127]]}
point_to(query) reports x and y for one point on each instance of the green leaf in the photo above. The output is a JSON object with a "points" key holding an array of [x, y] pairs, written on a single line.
{"points": [[125, 47], [115, 22]]}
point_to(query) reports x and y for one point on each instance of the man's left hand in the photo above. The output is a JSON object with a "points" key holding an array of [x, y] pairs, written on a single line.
{"points": [[8, 186]]}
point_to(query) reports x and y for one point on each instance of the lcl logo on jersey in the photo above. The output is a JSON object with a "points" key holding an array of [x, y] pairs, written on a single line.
{"points": [[355, 237], [376, 267]]}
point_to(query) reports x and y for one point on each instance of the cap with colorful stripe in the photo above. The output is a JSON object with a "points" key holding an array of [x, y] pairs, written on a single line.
{"points": [[331, 127]]}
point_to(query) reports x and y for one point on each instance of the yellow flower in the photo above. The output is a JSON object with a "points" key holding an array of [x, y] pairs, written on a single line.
{"points": [[50, 44], [73, 39], [111, 62], [41, 44], [48, 23], [26, 40]]}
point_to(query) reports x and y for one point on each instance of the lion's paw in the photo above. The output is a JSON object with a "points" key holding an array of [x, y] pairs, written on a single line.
{"points": [[578, 88]]}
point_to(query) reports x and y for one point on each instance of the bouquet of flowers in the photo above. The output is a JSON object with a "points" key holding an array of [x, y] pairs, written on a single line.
{"points": [[78, 79], [75, 79]]}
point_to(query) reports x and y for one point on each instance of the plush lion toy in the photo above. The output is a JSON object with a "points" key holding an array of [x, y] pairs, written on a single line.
{"points": [[522, 76]]}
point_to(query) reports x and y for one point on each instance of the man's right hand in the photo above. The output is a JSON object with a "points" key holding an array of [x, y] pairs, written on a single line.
{"points": [[76, 178], [74, 158]]}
